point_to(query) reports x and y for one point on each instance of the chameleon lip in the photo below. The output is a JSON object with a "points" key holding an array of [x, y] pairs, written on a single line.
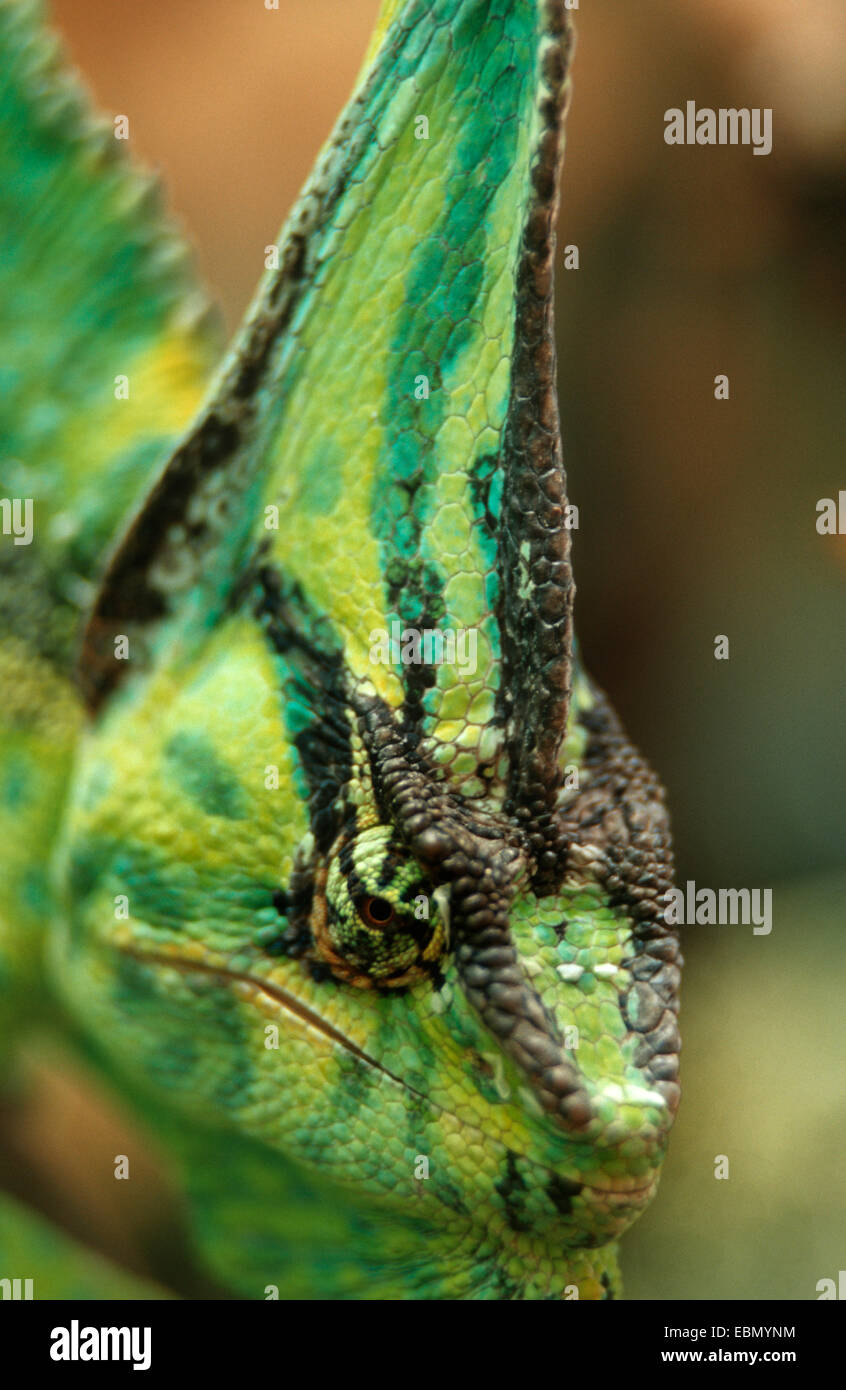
{"points": [[621, 1195]]}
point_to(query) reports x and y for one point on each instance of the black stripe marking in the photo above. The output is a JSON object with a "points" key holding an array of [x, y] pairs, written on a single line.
{"points": [[317, 679]]}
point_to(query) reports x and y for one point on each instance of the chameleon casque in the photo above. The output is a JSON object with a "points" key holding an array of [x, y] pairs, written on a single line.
{"points": [[374, 942]]}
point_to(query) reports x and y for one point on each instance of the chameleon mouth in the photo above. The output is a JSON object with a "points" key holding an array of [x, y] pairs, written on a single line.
{"points": [[620, 1196]]}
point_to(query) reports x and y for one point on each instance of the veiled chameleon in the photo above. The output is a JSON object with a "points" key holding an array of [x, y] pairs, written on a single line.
{"points": [[357, 883]]}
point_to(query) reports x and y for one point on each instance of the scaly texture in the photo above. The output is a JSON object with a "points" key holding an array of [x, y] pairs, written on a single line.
{"points": [[93, 285], [362, 881]]}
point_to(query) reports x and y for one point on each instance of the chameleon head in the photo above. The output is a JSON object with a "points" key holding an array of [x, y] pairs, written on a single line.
{"points": [[389, 987], [389, 905]]}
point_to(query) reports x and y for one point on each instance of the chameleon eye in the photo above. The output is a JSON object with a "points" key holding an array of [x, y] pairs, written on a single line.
{"points": [[377, 912], [376, 922]]}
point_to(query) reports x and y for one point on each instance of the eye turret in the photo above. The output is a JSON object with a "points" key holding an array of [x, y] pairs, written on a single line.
{"points": [[377, 922]]}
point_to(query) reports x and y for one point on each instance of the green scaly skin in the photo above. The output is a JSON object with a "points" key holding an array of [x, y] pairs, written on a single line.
{"points": [[376, 945]]}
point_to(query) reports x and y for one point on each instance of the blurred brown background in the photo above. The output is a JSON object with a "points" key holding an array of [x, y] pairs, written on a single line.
{"points": [[697, 519]]}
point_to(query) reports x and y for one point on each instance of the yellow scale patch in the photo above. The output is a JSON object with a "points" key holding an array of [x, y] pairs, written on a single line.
{"points": [[166, 382], [234, 672]]}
